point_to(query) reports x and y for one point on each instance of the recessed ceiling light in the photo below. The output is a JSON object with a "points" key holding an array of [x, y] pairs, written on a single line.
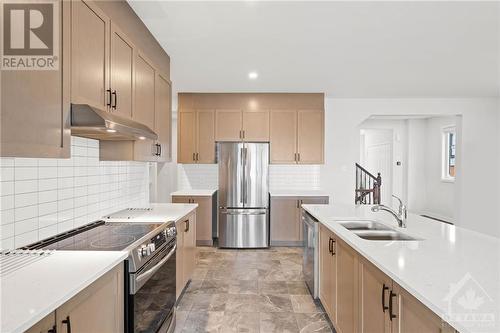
{"points": [[253, 75], [111, 130], [142, 138]]}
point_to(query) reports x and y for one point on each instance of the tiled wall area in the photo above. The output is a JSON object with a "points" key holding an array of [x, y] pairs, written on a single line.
{"points": [[43, 197], [281, 177]]}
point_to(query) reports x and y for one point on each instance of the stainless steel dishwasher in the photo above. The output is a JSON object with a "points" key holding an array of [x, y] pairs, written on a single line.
{"points": [[310, 265]]}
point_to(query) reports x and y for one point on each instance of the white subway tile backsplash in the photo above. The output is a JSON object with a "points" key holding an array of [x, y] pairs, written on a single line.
{"points": [[42, 197]]}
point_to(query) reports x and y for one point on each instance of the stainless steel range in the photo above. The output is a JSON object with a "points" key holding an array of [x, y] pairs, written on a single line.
{"points": [[150, 266]]}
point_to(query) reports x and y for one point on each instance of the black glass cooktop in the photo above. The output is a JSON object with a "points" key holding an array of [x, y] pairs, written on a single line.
{"points": [[97, 236]]}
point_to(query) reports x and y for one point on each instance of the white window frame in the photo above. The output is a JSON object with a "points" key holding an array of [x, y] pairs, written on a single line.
{"points": [[445, 153]]}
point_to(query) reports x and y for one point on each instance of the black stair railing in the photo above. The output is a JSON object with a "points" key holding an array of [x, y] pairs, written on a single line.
{"points": [[367, 187]]}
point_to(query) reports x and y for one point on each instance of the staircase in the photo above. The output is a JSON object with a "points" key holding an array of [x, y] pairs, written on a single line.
{"points": [[367, 190]]}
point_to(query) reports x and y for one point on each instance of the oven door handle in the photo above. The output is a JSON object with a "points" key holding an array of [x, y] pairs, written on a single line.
{"points": [[147, 274]]}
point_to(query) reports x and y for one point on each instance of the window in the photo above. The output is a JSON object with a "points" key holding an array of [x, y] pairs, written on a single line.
{"points": [[449, 153]]}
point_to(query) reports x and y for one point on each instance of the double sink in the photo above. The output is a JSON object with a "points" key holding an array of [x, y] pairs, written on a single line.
{"points": [[372, 230]]}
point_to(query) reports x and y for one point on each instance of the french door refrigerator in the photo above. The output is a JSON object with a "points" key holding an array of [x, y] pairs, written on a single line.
{"points": [[243, 194]]}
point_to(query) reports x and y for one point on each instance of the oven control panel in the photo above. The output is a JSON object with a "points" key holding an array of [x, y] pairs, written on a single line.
{"points": [[147, 249]]}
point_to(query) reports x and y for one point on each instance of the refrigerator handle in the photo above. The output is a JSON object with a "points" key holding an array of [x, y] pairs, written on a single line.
{"points": [[242, 185], [245, 188]]}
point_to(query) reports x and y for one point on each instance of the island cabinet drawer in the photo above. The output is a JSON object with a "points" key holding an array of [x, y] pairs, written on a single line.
{"points": [[358, 297], [97, 308]]}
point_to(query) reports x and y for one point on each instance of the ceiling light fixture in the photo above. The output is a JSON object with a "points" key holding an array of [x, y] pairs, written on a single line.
{"points": [[253, 75], [142, 138], [111, 130]]}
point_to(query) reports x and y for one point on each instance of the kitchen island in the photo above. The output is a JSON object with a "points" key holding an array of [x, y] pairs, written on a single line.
{"points": [[452, 271]]}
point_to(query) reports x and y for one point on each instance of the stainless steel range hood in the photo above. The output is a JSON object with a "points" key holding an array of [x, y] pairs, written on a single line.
{"points": [[93, 123]]}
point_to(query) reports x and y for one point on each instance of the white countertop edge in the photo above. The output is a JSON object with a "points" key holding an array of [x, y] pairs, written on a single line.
{"points": [[194, 192], [411, 290], [31, 321]]}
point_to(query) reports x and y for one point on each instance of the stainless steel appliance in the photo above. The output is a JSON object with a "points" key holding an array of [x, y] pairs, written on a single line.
{"points": [[149, 269], [243, 194], [310, 265]]}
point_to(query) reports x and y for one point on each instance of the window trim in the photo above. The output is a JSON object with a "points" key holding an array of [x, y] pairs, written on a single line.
{"points": [[445, 157]]}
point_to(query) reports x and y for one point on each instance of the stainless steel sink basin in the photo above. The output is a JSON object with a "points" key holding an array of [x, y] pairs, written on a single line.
{"points": [[383, 235], [364, 225]]}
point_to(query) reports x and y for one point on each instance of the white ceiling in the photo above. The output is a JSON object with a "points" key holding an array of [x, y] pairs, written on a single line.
{"points": [[345, 49]]}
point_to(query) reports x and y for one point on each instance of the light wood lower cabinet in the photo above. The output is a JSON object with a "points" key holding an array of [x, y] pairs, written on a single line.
{"points": [[286, 222], [186, 251], [205, 214], [98, 308], [358, 297]]}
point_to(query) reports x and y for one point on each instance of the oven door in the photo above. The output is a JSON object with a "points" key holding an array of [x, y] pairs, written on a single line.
{"points": [[151, 301]]}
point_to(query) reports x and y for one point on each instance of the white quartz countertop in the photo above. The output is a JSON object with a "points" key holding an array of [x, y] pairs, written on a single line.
{"points": [[160, 213], [299, 193], [452, 270], [195, 193], [34, 291]]}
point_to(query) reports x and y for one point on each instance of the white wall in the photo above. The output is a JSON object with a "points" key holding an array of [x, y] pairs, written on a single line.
{"points": [[43, 197], [476, 190]]}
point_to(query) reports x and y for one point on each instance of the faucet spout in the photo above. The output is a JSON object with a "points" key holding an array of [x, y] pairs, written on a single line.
{"points": [[400, 217]]}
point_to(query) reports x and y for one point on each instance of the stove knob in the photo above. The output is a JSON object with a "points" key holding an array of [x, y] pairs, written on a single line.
{"points": [[145, 251], [139, 253], [152, 247]]}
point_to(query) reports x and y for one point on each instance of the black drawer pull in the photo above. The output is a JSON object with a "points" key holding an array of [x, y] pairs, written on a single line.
{"points": [[391, 315], [384, 288], [67, 321]]}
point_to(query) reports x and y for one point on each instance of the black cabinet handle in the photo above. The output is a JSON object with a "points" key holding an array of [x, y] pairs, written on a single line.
{"points": [[52, 330], [116, 99], [391, 315], [159, 147], [384, 288], [194, 156], [185, 230], [334, 247], [67, 321], [330, 245], [109, 97]]}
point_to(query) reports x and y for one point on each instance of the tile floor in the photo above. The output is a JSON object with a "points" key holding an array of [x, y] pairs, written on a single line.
{"points": [[249, 291]]}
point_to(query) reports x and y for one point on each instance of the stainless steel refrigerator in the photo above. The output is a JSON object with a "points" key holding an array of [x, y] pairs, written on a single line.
{"points": [[243, 194]]}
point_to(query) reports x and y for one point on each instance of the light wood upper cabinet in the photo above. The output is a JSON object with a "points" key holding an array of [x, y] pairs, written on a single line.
{"points": [[90, 33], [196, 136], [35, 104], [98, 308], [205, 140], [163, 116], [144, 95], [283, 136], [122, 73], [310, 136], [186, 133], [228, 124], [297, 136], [255, 126]]}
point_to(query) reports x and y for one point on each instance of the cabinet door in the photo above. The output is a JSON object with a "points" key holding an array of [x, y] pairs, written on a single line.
{"points": [[89, 55], [181, 199], [163, 112], [189, 229], [35, 104], [374, 298], [327, 274], [256, 126], [44, 325], [203, 220], [144, 95], [205, 136], [283, 136], [228, 125], [98, 308], [347, 287], [122, 73], [411, 316], [186, 137], [285, 218], [179, 259], [310, 136]]}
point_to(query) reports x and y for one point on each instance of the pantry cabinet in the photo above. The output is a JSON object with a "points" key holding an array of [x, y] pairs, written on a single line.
{"points": [[186, 251], [286, 222], [196, 136], [97, 308], [297, 136], [205, 216], [358, 297], [35, 104]]}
